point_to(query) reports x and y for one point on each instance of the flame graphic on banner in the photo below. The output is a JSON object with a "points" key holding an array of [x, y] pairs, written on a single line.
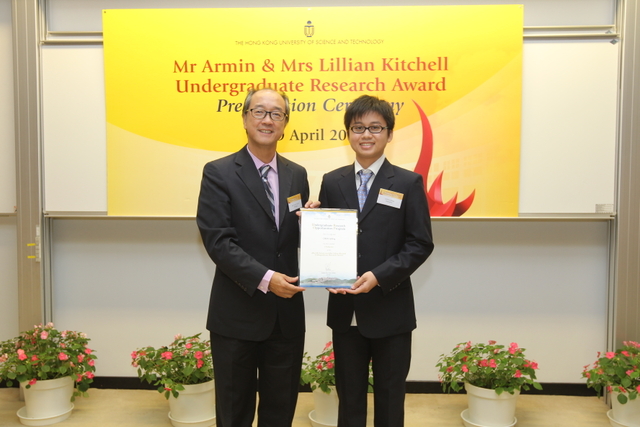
{"points": [[434, 193]]}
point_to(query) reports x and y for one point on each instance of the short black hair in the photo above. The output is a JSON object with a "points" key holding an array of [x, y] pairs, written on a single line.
{"points": [[368, 104]]}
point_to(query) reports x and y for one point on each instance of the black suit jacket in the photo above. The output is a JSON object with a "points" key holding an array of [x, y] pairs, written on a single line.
{"points": [[241, 237], [392, 244]]}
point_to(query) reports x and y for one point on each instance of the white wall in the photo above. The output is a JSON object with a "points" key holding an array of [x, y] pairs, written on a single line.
{"points": [[542, 284], [8, 243], [7, 124], [8, 278]]}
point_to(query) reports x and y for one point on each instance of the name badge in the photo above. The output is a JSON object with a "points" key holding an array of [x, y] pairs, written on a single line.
{"points": [[295, 202], [390, 198]]}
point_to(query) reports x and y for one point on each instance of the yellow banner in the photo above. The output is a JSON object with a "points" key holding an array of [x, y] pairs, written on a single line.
{"points": [[176, 80]]}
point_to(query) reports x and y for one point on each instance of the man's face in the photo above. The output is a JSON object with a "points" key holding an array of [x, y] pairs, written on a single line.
{"points": [[369, 146], [264, 132]]}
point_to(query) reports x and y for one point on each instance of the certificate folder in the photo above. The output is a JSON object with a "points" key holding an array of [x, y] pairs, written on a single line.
{"points": [[328, 248]]}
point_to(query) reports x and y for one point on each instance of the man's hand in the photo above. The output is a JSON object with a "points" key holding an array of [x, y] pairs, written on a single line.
{"points": [[309, 205], [282, 285], [364, 284]]}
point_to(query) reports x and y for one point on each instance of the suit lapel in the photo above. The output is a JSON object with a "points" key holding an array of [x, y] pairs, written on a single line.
{"points": [[384, 179], [251, 177], [347, 186], [285, 180]]}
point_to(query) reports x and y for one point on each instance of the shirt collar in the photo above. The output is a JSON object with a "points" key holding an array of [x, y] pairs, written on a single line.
{"points": [[273, 163], [375, 167]]}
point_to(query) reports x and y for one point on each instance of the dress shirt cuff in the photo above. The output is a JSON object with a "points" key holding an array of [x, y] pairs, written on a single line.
{"points": [[264, 283]]}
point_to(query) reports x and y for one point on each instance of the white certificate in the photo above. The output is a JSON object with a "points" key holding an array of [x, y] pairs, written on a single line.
{"points": [[328, 248]]}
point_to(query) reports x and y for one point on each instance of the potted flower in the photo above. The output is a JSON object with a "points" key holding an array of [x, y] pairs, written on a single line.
{"points": [[47, 363], [183, 372], [488, 371], [319, 373], [618, 372]]}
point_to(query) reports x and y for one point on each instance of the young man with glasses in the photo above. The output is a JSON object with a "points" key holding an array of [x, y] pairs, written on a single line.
{"points": [[373, 320], [248, 223]]}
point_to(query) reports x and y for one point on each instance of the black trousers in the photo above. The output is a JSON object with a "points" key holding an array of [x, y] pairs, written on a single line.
{"points": [[391, 357], [237, 365]]}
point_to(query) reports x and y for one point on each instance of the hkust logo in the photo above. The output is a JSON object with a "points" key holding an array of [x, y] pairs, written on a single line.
{"points": [[309, 29]]}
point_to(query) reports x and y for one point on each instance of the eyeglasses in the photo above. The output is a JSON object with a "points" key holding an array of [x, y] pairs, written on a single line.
{"points": [[276, 116], [371, 129]]}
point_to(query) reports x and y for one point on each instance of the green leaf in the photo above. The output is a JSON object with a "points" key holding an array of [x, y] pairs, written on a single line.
{"points": [[622, 398]]}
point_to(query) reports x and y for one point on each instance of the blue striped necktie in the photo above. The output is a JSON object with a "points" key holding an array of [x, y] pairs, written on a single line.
{"points": [[365, 176], [264, 171]]}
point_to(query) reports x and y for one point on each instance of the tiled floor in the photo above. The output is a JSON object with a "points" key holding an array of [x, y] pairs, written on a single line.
{"points": [[135, 408]]}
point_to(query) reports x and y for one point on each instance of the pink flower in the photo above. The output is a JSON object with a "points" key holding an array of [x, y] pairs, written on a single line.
{"points": [[188, 345], [177, 337], [492, 363], [198, 355], [34, 358], [134, 355], [450, 369], [21, 354], [638, 389], [492, 342], [330, 365], [32, 381], [518, 374], [167, 355], [80, 358], [44, 335], [319, 366], [199, 363], [62, 356], [464, 368], [483, 363], [610, 355], [513, 348], [89, 375], [625, 353], [630, 371], [79, 378], [87, 350], [327, 345], [91, 362]]}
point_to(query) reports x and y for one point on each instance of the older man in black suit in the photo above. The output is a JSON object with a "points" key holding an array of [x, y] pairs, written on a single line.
{"points": [[373, 319], [247, 219]]}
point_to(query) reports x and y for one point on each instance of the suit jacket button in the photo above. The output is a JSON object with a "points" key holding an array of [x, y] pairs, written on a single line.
{"points": [[359, 230], [278, 254]]}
